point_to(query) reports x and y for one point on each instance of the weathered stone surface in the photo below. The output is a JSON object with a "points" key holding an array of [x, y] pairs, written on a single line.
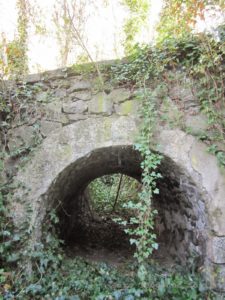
{"points": [[119, 95], [48, 127], [55, 74], [64, 147], [20, 136], [217, 278], [85, 96], [129, 107], [100, 104], [60, 93], [213, 181], [196, 123], [54, 113], [55, 106], [43, 97], [218, 250], [79, 86], [170, 114], [63, 84], [32, 78], [76, 117], [78, 107], [183, 93]]}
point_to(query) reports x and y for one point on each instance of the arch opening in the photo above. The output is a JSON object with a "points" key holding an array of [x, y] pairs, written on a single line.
{"points": [[181, 221]]}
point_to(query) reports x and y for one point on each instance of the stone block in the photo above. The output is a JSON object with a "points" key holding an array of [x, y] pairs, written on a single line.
{"points": [[75, 107], [32, 78], [55, 74], [82, 95], [43, 97], [217, 277], [79, 85], [119, 95], [218, 250], [20, 137], [60, 93], [127, 108], [47, 127], [100, 104], [184, 93], [196, 123], [76, 117], [55, 106]]}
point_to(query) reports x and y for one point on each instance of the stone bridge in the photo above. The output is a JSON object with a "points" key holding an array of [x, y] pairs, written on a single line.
{"points": [[78, 133]]}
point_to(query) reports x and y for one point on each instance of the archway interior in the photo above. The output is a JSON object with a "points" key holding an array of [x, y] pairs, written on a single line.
{"points": [[98, 232], [180, 224]]}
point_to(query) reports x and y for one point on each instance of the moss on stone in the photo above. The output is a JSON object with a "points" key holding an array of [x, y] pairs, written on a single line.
{"points": [[100, 102], [82, 69], [127, 107]]}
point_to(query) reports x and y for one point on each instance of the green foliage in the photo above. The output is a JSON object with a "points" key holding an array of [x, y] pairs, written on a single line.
{"points": [[137, 72], [220, 155], [13, 55], [138, 17], [104, 192], [9, 238], [79, 279], [180, 17], [145, 238]]}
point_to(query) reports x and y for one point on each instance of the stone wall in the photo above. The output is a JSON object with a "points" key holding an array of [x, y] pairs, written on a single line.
{"points": [[181, 223], [62, 120], [59, 98]]}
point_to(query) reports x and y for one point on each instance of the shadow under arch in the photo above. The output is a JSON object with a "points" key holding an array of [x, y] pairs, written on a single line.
{"points": [[181, 221]]}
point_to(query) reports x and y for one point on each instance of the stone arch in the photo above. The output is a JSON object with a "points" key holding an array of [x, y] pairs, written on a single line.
{"points": [[184, 156], [181, 223], [69, 187]]}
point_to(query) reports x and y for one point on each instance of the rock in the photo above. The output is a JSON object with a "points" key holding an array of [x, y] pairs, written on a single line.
{"points": [[100, 104], [217, 278], [60, 93], [218, 250], [64, 84], [48, 127], [184, 93], [32, 78], [83, 95], [55, 106], [126, 108], [212, 180], [22, 136], [196, 123], [53, 75], [76, 117], [119, 95], [43, 97], [54, 112], [75, 107], [79, 86]]}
